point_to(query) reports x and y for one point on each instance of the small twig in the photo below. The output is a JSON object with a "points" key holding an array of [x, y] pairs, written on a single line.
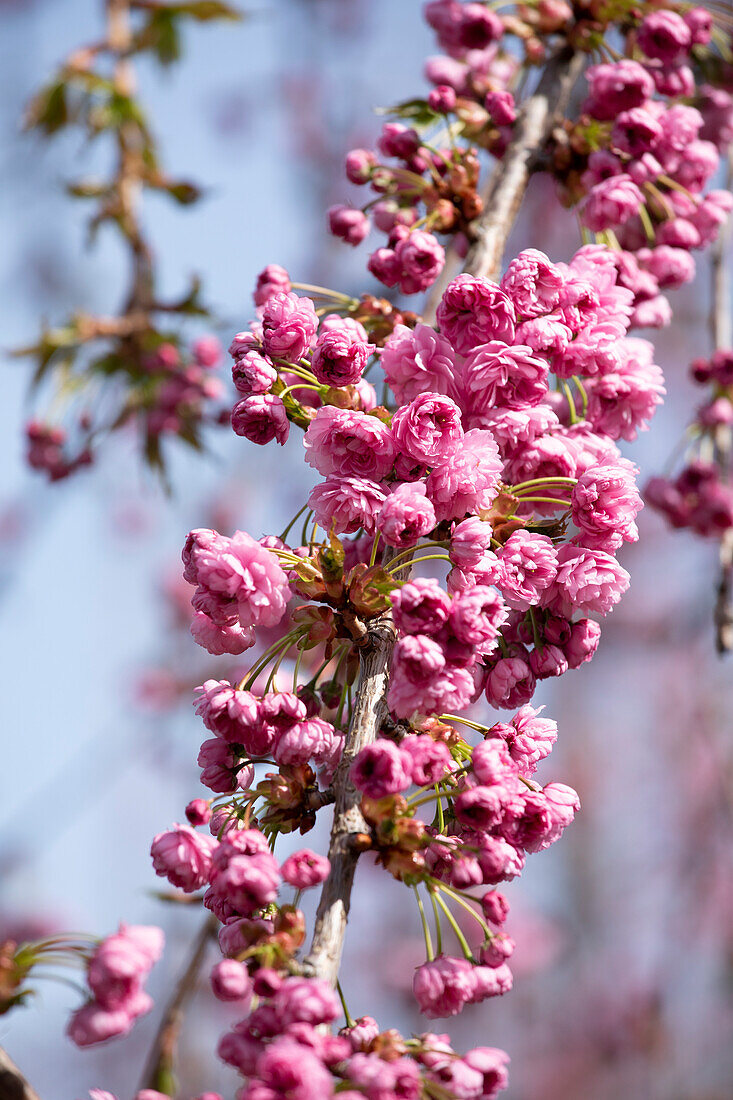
{"points": [[13, 1085], [159, 1066]]}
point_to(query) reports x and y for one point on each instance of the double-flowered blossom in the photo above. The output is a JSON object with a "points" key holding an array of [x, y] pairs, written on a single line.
{"points": [[417, 361], [305, 868], [428, 430], [605, 502], [474, 311], [498, 454], [406, 516], [116, 973], [289, 325], [528, 564], [347, 504], [586, 580], [239, 585], [349, 444], [183, 856], [340, 356]]}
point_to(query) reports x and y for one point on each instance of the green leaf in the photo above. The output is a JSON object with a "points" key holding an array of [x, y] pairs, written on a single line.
{"points": [[87, 189], [191, 303], [50, 343], [108, 364], [206, 10], [188, 434], [416, 110], [48, 110], [160, 34], [183, 192]]}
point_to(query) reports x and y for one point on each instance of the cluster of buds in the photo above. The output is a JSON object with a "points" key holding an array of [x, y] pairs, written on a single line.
{"points": [[443, 184], [488, 814], [115, 970], [48, 451], [165, 393], [700, 496]]}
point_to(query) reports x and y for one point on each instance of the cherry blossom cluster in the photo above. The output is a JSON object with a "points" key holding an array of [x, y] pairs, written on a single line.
{"points": [[637, 159], [494, 815], [428, 185], [653, 145], [523, 491], [147, 1094], [115, 969], [283, 1049], [280, 1045], [116, 972], [700, 496], [469, 505], [475, 396], [170, 395]]}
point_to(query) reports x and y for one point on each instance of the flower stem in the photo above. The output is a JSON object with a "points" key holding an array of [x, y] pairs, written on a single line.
{"points": [[545, 500], [456, 928], [543, 481], [438, 926], [292, 522], [428, 557], [425, 928], [469, 908], [350, 1021]]}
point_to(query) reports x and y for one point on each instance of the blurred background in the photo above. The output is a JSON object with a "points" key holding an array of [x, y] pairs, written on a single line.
{"points": [[624, 959]]}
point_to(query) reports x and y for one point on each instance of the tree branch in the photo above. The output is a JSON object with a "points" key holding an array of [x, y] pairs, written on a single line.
{"points": [[158, 1073], [722, 329], [370, 710], [13, 1085], [508, 183]]}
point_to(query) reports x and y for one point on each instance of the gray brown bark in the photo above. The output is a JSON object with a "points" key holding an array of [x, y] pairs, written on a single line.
{"points": [[370, 710], [13, 1085]]}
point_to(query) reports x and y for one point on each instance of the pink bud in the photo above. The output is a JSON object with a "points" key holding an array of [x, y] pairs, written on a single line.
{"points": [[500, 106], [359, 165], [230, 981], [305, 868], [442, 99], [198, 812], [348, 224]]}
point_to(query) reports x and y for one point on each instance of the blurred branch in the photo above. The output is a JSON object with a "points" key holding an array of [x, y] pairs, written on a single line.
{"points": [[158, 1073], [722, 330], [13, 1085], [94, 90], [130, 164]]}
